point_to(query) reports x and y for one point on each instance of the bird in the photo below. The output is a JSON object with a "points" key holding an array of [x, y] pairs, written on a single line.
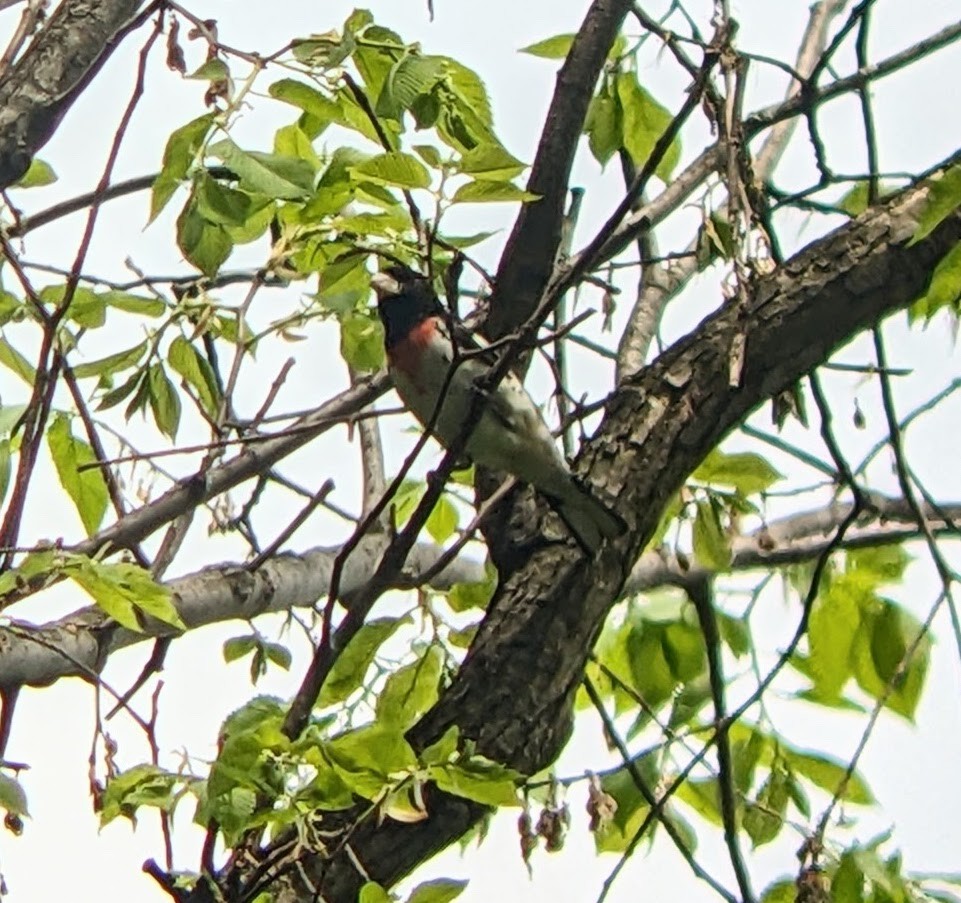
{"points": [[510, 435]]}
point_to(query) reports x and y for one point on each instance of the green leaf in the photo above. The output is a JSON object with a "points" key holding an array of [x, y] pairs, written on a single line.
{"points": [[135, 304], [411, 77], [828, 774], [86, 488], [121, 588], [15, 361], [444, 749], [440, 890], [764, 819], [205, 244], [86, 308], [603, 124], [885, 564], [186, 360], [12, 796], [321, 108], [746, 472], [879, 651], [112, 363], [847, 884], [369, 758], [351, 666], [372, 892], [278, 654], [490, 162], [394, 168], [442, 521], [293, 141], [164, 401], [38, 174], [478, 779], [486, 192], [944, 289], [835, 619], [411, 690], [211, 70], [6, 465], [555, 48], [239, 646], [221, 204], [944, 197], [183, 145], [644, 120], [273, 175], [465, 596], [142, 785], [344, 286], [362, 341], [712, 545], [11, 308]]}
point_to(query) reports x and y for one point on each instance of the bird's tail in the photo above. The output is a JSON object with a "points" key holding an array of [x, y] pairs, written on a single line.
{"points": [[588, 519]]}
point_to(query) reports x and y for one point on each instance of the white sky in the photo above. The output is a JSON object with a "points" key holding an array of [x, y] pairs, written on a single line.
{"points": [[913, 770]]}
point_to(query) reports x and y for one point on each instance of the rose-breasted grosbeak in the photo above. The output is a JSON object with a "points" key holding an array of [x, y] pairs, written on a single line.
{"points": [[510, 435]]}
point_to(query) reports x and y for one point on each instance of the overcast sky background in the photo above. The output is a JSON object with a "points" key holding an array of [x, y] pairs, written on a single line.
{"points": [[912, 769]]}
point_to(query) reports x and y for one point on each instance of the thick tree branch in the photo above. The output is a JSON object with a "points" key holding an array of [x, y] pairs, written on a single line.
{"points": [[530, 252], [514, 693], [81, 642], [58, 65]]}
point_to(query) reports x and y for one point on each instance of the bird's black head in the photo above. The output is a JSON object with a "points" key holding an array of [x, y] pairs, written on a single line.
{"points": [[404, 299]]}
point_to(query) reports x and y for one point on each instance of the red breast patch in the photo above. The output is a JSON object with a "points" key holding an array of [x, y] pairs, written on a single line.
{"points": [[407, 354]]}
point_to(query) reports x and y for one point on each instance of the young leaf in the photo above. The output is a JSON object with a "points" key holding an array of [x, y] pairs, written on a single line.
{"points": [[478, 779], [747, 472], [372, 892], [12, 796], [142, 785], [484, 192], [362, 341], [440, 890], [239, 646], [164, 401], [205, 244], [112, 363], [644, 120], [319, 107], [186, 360], [135, 304], [944, 197], [603, 124], [351, 666], [944, 289], [15, 361], [411, 690], [38, 174], [442, 521], [275, 176], [712, 546], [394, 168], [86, 488], [490, 162], [182, 147], [555, 48]]}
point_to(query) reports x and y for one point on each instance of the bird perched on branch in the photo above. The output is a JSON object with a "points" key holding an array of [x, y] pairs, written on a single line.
{"points": [[509, 434]]}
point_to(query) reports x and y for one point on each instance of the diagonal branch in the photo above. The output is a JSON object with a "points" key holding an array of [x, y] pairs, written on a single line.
{"points": [[514, 692], [529, 254], [58, 65]]}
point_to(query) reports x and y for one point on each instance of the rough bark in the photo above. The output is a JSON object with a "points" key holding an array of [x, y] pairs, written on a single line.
{"points": [[514, 693], [42, 85]]}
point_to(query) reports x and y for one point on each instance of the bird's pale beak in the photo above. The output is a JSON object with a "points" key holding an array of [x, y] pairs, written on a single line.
{"points": [[384, 286]]}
